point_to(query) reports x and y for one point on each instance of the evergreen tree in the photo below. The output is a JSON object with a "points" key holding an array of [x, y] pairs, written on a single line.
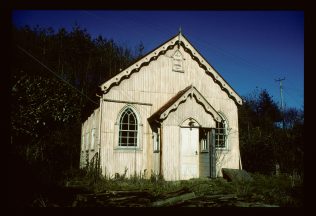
{"points": [[263, 143]]}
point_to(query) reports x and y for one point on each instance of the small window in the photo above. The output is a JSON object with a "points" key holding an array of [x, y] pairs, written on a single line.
{"points": [[204, 147], [92, 138], [156, 142], [128, 129], [204, 140], [87, 142], [221, 135], [82, 143]]}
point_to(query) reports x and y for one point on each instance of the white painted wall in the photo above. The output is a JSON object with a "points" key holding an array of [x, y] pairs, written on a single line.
{"points": [[155, 84]]}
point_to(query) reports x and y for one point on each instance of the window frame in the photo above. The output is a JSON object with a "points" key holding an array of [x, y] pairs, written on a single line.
{"points": [[119, 123], [223, 128], [93, 138], [87, 144], [156, 142], [204, 141], [204, 146]]}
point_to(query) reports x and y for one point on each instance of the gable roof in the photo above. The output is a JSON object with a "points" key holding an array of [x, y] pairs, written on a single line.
{"points": [[178, 39], [190, 91]]}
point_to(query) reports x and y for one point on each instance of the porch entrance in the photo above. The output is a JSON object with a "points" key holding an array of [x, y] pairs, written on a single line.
{"points": [[197, 153]]}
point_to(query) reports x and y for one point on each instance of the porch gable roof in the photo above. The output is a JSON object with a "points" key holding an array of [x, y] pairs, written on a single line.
{"points": [[172, 104]]}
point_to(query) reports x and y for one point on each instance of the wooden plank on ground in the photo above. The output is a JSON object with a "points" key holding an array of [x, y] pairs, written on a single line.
{"points": [[173, 200]]}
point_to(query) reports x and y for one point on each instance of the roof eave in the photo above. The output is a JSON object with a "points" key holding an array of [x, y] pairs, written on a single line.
{"points": [[152, 55]]}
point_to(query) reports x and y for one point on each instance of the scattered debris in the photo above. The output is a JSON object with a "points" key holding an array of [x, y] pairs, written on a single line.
{"points": [[173, 200], [180, 198], [76, 195], [247, 204], [114, 199]]}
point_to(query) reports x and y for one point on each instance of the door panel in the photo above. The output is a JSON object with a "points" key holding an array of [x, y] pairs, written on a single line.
{"points": [[189, 153]]}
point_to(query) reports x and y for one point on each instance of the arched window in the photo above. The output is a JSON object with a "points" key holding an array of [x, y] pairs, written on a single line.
{"points": [[128, 128], [221, 134]]}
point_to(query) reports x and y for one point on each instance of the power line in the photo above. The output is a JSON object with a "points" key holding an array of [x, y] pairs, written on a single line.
{"points": [[293, 98], [55, 74], [296, 91]]}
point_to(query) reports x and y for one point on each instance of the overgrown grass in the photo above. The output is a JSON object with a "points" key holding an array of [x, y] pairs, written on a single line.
{"points": [[283, 190]]}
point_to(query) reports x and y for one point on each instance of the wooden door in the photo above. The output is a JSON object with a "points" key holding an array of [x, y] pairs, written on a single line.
{"points": [[189, 150]]}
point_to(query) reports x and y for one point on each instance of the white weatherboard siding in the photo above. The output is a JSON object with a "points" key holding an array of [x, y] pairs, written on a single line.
{"points": [[89, 128], [116, 158], [168, 71], [172, 140], [170, 153]]}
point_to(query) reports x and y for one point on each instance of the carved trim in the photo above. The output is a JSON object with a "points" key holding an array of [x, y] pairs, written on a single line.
{"points": [[162, 49], [137, 65], [186, 123], [199, 98], [210, 70]]}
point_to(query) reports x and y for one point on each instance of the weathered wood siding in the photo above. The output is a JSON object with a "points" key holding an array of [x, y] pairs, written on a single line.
{"points": [[170, 152], [89, 138], [155, 84], [171, 138], [155, 164], [115, 159]]}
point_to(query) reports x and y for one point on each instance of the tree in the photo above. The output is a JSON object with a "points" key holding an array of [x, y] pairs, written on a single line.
{"points": [[262, 143], [47, 107], [290, 142], [139, 50]]}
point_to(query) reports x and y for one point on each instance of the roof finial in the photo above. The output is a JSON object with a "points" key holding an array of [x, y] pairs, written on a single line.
{"points": [[180, 31]]}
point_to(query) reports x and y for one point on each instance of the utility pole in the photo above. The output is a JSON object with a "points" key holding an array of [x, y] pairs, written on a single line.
{"points": [[282, 105], [277, 165]]}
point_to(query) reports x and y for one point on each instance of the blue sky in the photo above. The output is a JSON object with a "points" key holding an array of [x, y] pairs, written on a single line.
{"points": [[250, 49]]}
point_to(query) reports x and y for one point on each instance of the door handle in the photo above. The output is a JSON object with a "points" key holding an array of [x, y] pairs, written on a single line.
{"points": [[196, 153]]}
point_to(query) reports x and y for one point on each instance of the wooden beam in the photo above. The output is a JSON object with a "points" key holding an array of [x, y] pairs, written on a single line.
{"points": [[128, 102]]}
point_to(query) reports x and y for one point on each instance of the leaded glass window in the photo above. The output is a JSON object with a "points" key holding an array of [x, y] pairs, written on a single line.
{"points": [[221, 135], [128, 129]]}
